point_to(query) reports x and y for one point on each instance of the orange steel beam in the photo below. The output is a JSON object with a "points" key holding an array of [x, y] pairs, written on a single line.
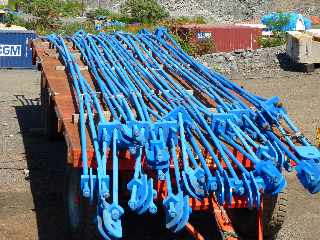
{"points": [[223, 221], [260, 220], [193, 232]]}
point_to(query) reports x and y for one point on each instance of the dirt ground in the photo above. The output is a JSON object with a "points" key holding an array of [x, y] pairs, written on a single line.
{"points": [[31, 203]]}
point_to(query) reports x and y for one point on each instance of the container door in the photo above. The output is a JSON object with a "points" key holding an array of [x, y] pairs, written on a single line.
{"points": [[15, 51]]}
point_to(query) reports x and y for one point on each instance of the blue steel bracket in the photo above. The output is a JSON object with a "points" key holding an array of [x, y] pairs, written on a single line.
{"points": [[309, 168], [177, 211], [273, 179], [109, 126], [240, 112], [104, 183], [308, 172], [219, 122], [271, 110], [139, 192], [130, 133], [134, 132], [87, 185], [173, 208], [264, 150], [194, 180], [159, 32], [168, 129], [185, 216], [157, 154], [108, 220], [84, 186], [308, 152], [211, 184], [174, 115], [149, 204], [238, 186], [220, 191], [141, 132]]}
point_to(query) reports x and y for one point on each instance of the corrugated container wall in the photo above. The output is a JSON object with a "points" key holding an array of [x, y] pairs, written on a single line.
{"points": [[225, 38], [15, 49]]}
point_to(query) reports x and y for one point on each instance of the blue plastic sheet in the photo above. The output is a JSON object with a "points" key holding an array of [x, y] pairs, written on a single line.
{"points": [[271, 18]]}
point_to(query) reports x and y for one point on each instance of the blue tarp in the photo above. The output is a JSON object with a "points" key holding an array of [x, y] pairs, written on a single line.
{"points": [[290, 26], [111, 23]]}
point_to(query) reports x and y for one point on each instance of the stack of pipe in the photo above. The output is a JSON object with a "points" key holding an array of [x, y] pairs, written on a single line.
{"points": [[171, 112]]}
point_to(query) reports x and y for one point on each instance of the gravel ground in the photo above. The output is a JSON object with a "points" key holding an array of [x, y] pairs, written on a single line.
{"points": [[264, 61], [31, 203], [269, 72]]}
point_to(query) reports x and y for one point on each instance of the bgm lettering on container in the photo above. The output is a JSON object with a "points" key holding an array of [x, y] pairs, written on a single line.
{"points": [[10, 50]]}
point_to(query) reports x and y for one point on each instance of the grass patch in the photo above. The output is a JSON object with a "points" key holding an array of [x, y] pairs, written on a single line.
{"points": [[316, 26], [277, 39]]}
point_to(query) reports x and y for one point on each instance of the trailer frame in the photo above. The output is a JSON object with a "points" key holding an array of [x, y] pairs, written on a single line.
{"points": [[57, 93]]}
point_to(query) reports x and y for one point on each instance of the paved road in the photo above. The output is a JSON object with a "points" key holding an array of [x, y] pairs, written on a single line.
{"points": [[32, 208]]}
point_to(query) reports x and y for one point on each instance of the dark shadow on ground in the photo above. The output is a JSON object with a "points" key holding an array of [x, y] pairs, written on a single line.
{"points": [[288, 65], [45, 161]]}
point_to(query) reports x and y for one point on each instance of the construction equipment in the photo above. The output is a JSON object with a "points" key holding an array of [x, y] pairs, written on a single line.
{"points": [[176, 132], [304, 48]]}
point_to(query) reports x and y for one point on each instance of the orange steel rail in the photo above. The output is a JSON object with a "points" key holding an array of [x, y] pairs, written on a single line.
{"points": [[193, 232], [223, 221]]}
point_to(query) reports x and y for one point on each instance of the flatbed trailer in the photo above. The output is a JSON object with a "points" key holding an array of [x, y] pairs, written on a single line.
{"points": [[61, 114]]}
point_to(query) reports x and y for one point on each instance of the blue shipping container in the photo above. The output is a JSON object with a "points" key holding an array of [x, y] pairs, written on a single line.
{"points": [[15, 49]]}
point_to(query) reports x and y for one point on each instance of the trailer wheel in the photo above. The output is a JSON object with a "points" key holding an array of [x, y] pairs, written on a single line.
{"points": [[274, 214], [75, 205]]}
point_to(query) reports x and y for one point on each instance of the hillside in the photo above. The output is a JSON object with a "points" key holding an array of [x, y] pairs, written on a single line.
{"points": [[226, 10]]}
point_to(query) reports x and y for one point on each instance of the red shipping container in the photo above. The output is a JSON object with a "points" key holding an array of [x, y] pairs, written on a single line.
{"points": [[225, 38], [315, 20]]}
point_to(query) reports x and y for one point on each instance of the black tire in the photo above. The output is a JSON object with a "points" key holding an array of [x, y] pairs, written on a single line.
{"points": [[76, 207], [274, 214]]}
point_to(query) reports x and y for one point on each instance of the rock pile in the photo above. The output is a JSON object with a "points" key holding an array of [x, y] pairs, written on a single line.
{"points": [[224, 11], [247, 61], [215, 11]]}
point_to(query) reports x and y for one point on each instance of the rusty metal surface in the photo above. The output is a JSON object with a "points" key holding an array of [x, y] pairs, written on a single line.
{"points": [[63, 98]]}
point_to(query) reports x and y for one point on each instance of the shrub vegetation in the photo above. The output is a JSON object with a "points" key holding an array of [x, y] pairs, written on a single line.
{"points": [[144, 11]]}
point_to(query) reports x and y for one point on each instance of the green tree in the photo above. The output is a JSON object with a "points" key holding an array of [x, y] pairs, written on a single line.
{"points": [[144, 11], [46, 12], [93, 14]]}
